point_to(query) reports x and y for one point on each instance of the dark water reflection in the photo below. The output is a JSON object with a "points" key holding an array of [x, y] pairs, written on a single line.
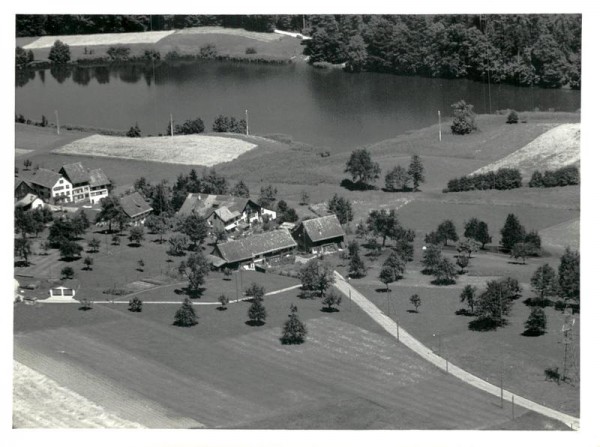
{"points": [[324, 107]]}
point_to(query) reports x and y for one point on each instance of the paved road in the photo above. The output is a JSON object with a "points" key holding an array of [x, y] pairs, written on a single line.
{"points": [[416, 346]]}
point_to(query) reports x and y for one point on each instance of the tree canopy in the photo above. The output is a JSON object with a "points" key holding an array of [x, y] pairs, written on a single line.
{"points": [[362, 168]]}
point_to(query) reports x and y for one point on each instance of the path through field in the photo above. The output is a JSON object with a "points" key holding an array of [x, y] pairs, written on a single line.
{"points": [[414, 345]]}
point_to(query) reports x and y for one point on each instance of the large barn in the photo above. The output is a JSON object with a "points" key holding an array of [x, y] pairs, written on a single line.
{"points": [[319, 234], [256, 249]]}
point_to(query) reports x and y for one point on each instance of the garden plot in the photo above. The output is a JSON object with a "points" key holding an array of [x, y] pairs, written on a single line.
{"points": [[553, 149], [263, 37], [181, 149], [148, 37]]}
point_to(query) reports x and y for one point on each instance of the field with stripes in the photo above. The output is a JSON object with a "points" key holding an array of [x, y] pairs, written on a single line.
{"points": [[348, 374]]}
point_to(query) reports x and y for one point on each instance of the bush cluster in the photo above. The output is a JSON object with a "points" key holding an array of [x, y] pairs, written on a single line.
{"points": [[569, 175], [504, 178]]}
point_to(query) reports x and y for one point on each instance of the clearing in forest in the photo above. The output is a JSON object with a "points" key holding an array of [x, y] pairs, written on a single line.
{"points": [[100, 39]]}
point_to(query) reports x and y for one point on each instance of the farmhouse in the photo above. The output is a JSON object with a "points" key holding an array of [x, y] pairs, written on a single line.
{"points": [[92, 185], [225, 213], [319, 234], [135, 207], [30, 202], [256, 249], [48, 185]]}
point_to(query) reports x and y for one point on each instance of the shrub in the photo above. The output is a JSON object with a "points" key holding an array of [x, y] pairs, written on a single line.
{"points": [[250, 50], [294, 331], [208, 51], [135, 304], [67, 272], [552, 374], [513, 117], [186, 315], [536, 323], [464, 118]]}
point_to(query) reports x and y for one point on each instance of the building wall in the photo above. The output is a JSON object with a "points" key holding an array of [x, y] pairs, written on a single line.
{"points": [[62, 191]]}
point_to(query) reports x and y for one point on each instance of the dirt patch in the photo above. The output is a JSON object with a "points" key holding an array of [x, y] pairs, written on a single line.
{"points": [[182, 149], [100, 39], [553, 149]]}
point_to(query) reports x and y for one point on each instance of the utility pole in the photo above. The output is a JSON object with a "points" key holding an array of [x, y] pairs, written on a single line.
{"points": [[57, 123], [440, 124], [171, 115], [247, 123], [388, 302]]}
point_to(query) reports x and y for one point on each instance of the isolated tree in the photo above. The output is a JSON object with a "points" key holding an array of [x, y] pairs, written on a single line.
{"points": [[361, 230], [568, 275], [463, 262], [69, 249], [416, 171], [27, 164], [82, 220], [94, 245], [494, 303], [116, 240], [256, 291], [357, 268], [415, 301], [396, 263], [67, 272], [195, 228], [135, 304], [294, 331], [141, 264], [257, 314], [544, 282], [534, 239], [224, 301], [477, 230], [86, 304], [397, 179], [432, 255], [405, 250], [512, 118], [23, 249], [240, 190], [136, 235], [522, 250], [387, 276], [60, 53], [268, 195], [382, 223], [88, 261], [158, 224], [468, 296], [134, 131], [317, 276], [445, 271], [196, 268], [464, 118], [447, 231], [331, 299], [304, 198], [353, 248], [111, 211], [536, 322], [466, 246], [362, 169], [342, 208], [186, 315], [433, 238], [177, 245], [512, 232]]}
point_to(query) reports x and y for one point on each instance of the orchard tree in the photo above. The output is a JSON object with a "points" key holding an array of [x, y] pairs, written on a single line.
{"points": [[134, 131], [383, 223], [432, 256], [445, 272], [405, 250], [512, 232], [512, 118], [224, 302], [396, 263], [361, 230], [135, 304], [88, 262], [415, 301], [342, 208], [568, 276], [67, 272], [69, 249], [494, 303], [186, 315], [94, 245], [257, 314], [464, 118], [317, 276], [158, 224], [466, 246], [416, 171], [304, 198], [60, 53], [447, 231], [536, 322], [23, 249], [357, 268], [111, 212], [195, 228], [256, 291], [332, 299], [468, 296], [397, 179], [544, 282], [362, 169], [240, 190], [268, 195], [136, 235], [477, 230], [178, 245], [522, 250], [196, 268], [294, 331], [463, 262]]}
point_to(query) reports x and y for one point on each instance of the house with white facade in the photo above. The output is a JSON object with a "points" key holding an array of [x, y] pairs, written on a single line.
{"points": [[87, 185], [48, 185]]}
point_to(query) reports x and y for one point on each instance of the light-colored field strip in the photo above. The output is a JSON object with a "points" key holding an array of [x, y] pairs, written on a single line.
{"points": [[553, 149], [40, 402], [263, 37], [202, 150], [21, 152], [416, 346], [149, 37]]}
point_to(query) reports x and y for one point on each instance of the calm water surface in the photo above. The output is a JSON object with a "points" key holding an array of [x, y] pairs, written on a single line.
{"points": [[323, 107]]}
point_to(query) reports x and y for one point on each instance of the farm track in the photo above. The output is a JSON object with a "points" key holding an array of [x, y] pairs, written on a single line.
{"points": [[391, 327]]}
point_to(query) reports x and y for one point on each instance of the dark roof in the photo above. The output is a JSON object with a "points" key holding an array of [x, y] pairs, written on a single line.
{"points": [[134, 205], [322, 228], [259, 244], [98, 178], [42, 177], [204, 204], [75, 173]]}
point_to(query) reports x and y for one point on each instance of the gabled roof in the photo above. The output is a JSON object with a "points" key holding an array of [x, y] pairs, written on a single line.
{"points": [[42, 177], [205, 204], [134, 205], [259, 244], [226, 215], [322, 228], [27, 200], [75, 173], [98, 178]]}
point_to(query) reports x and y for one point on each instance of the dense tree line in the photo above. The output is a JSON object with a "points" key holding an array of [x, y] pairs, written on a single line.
{"points": [[569, 175], [503, 178], [533, 49]]}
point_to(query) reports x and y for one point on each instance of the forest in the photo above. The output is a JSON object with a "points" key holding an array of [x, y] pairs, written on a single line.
{"points": [[524, 49]]}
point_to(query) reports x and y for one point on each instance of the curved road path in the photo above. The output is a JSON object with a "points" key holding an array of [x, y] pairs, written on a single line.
{"points": [[416, 346]]}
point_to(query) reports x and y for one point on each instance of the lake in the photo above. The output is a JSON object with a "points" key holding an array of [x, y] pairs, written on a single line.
{"points": [[328, 108]]}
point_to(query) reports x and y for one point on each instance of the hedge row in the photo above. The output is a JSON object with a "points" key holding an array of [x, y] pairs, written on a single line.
{"points": [[568, 175], [504, 178]]}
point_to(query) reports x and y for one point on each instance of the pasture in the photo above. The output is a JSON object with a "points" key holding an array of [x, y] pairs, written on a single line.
{"points": [[181, 149]]}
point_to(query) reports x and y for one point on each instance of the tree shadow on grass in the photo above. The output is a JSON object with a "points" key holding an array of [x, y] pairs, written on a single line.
{"points": [[254, 323], [381, 290], [464, 312], [517, 263], [537, 302], [443, 282], [134, 245], [197, 293], [532, 333], [329, 310], [485, 324], [22, 264], [412, 311], [221, 308], [358, 186]]}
